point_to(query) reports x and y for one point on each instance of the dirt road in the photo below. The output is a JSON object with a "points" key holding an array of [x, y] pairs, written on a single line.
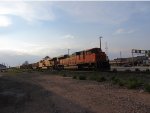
{"points": [[56, 94]]}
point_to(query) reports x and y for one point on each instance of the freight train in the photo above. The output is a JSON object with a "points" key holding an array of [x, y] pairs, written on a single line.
{"points": [[93, 58]]}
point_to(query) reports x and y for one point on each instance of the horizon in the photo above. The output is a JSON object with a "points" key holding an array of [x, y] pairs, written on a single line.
{"points": [[29, 31]]}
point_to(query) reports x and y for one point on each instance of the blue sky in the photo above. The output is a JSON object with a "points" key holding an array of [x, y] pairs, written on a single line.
{"points": [[33, 30]]}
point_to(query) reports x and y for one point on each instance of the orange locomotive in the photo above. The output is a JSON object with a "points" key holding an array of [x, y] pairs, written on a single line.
{"points": [[92, 58]]}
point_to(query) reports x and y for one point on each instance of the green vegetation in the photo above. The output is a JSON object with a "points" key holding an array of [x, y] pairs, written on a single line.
{"points": [[130, 80], [137, 70], [14, 71], [117, 81], [93, 77], [74, 77], [82, 77], [64, 75], [97, 78], [147, 70], [127, 70], [114, 70], [101, 79], [114, 80], [147, 87], [133, 83]]}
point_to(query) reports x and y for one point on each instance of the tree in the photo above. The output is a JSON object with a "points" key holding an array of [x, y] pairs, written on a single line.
{"points": [[47, 57], [25, 63]]}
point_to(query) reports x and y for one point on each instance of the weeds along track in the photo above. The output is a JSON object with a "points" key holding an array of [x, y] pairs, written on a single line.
{"points": [[130, 80], [75, 92]]}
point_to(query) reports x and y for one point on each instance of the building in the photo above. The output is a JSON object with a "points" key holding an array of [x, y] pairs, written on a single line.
{"points": [[135, 61], [2, 67]]}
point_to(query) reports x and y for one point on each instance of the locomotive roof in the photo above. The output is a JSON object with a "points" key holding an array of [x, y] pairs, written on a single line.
{"points": [[81, 52], [63, 56], [76, 53], [93, 49], [54, 58]]}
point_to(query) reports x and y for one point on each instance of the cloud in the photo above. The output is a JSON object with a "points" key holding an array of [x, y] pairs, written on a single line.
{"points": [[68, 36], [102, 12], [21, 48], [98, 12], [123, 31], [12, 58], [30, 11], [5, 21]]}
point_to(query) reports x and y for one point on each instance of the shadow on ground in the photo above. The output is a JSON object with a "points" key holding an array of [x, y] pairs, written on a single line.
{"points": [[23, 97]]}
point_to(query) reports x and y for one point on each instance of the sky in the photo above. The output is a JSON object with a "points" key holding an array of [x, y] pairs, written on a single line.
{"points": [[32, 30]]}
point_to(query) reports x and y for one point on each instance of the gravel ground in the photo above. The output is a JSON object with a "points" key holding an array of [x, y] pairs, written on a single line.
{"points": [[56, 94]]}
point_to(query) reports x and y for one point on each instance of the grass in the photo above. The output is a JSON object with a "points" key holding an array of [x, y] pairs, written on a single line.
{"points": [[13, 71], [123, 79], [101, 79], [82, 77], [147, 87], [74, 77], [64, 75], [131, 80], [93, 77], [127, 70], [114, 70], [117, 81], [137, 70], [133, 83]]}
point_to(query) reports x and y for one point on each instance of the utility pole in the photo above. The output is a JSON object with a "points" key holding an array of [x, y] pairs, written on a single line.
{"points": [[68, 51], [106, 48], [132, 57], [120, 55], [120, 58], [100, 41]]}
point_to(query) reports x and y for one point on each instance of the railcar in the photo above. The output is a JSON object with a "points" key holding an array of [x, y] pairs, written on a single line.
{"points": [[46, 63], [34, 65], [92, 58], [28, 66]]}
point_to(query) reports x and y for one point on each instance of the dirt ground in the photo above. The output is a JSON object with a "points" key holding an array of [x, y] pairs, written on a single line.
{"points": [[46, 93]]}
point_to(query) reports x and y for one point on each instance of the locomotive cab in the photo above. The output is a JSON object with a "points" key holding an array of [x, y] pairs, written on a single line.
{"points": [[100, 59]]}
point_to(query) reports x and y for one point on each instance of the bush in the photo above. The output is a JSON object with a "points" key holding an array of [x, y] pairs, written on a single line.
{"points": [[114, 70], [117, 81], [114, 80], [113, 77], [74, 77], [64, 75], [29, 71], [81, 77], [93, 77], [147, 70], [127, 70], [133, 83], [137, 70], [101, 79], [121, 83], [147, 87]]}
